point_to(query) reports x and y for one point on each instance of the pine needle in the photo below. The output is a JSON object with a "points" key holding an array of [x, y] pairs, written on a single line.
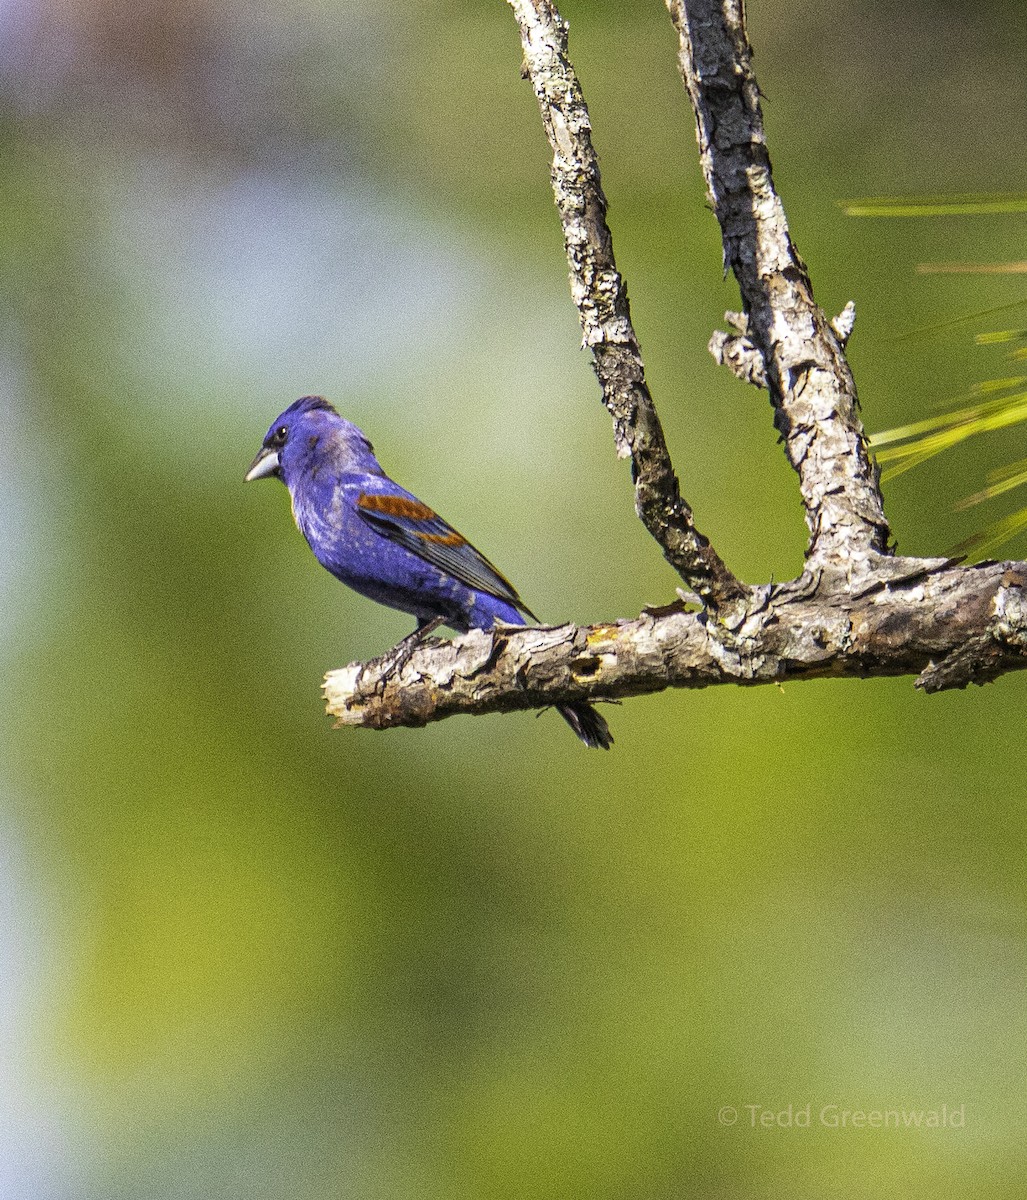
{"points": [[995, 535], [936, 206]]}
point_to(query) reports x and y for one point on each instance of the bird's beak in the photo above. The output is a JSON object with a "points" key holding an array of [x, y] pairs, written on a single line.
{"points": [[263, 466]]}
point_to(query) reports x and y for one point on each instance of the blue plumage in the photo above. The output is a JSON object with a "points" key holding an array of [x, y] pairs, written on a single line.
{"points": [[383, 542]]}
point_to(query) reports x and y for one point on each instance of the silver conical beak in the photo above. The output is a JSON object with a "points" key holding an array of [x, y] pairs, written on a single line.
{"points": [[263, 466]]}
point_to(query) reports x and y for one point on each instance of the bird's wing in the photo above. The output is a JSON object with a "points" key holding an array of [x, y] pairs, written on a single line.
{"points": [[417, 528]]}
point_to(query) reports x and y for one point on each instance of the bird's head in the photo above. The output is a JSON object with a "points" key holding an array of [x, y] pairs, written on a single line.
{"points": [[309, 431]]}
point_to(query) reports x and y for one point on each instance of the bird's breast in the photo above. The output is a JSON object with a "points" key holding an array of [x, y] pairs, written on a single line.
{"points": [[319, 514]]}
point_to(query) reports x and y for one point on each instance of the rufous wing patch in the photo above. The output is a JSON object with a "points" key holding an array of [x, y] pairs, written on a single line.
{"points": [[444, 539], [396, 506]]}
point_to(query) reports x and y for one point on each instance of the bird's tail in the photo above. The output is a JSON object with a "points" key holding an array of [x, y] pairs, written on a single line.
{"points": [[587, 724]]}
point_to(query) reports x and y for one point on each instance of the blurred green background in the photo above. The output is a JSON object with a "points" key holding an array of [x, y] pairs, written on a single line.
{"points": [[242, 955]]}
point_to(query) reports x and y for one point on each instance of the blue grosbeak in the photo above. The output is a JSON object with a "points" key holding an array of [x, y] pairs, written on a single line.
{"points": [[383, 542]]}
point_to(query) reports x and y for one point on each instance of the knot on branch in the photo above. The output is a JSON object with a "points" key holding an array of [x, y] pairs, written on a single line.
{"points": [[738, 352], [844, 323]]}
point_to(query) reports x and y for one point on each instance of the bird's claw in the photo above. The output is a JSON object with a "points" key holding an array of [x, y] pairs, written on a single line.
{"points": [[401, 653]]}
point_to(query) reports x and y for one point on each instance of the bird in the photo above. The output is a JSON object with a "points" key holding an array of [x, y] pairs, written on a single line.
{"points": [[381, 541]]}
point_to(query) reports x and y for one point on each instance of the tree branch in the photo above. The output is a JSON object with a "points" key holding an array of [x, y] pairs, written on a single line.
{"points": [[950, 625], [810, 384], [857, 610], [602, 301]]}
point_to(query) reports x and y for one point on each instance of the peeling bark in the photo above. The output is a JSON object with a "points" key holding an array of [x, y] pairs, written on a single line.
{"points": [[949, 625]]}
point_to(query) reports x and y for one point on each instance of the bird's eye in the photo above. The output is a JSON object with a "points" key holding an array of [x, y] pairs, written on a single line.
{"points": [[280, 434]]}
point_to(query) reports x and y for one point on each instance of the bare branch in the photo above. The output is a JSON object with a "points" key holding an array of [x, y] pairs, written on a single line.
{"points": [[811, 386], [857, 610], [950, 625], [601, 298]]}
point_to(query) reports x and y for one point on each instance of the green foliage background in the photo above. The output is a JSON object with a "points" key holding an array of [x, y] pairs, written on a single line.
{"points": [[246, 956]]}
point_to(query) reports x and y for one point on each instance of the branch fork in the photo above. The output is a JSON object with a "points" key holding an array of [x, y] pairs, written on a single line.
{"points": [[857, 610]]}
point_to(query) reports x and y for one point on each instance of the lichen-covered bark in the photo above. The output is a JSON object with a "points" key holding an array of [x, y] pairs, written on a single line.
{"points": [[809, 380], [602, 301], [949, 625]]}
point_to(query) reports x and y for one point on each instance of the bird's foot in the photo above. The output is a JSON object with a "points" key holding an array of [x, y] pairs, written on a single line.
{"points": [[400, 654]]}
